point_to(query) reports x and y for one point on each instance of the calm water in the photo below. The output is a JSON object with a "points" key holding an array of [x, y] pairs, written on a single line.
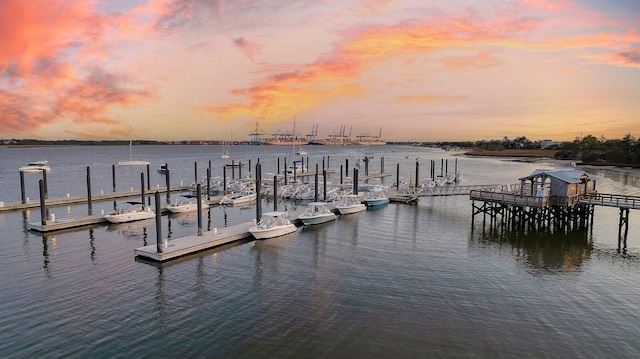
{"points": [[401, 281]]}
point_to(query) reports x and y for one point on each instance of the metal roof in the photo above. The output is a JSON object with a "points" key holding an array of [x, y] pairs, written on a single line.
{"points": [[566, 175]]}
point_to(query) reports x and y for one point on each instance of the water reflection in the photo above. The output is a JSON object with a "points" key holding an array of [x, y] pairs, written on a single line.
{"points": [[92, 246], [548, 253]]}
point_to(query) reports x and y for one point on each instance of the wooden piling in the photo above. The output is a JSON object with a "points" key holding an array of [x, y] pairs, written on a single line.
{"points": [[355, 180], [23, 194], [224, 180], [43, 209], [158, 223], [148, 179], [209, 182], [258, 191], [46, 185], [417, 174], [142, 194], [324, 185], [199, 207], [89, 205], [167, 180], [315, 195], [275, 193], [398, 176], [113, 177]]}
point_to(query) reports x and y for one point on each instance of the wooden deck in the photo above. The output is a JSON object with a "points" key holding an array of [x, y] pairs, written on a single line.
{"points": [[509, 198], [612, 200]]}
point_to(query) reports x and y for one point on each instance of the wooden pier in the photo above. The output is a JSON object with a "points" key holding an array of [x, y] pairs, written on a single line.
{"points": [[560, 200]]}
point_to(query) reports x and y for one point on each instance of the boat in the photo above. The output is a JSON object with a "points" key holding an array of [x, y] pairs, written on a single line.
{"points": [[272, 224], [350, 203], [122, 215], [131, 161], [316, 213], [226, 148], [298, 166], [162, 169], [35, 167], [238, 198], [185, 203], [375, 197]]}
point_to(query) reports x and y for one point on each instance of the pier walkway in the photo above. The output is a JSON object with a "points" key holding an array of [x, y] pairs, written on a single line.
{"points": [[612, 200], [65, 201]]}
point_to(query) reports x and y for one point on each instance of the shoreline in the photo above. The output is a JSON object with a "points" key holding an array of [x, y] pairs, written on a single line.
{"points": [[513, 153]]}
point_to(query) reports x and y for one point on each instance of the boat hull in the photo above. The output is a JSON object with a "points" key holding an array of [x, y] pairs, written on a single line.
{"points": [[192, 207], [311, 220], [129, 216], [278, 231], [351, 209], [376, 202]]}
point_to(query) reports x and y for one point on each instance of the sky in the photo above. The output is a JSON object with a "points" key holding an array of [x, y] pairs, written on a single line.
{"points": [[417, 70]]}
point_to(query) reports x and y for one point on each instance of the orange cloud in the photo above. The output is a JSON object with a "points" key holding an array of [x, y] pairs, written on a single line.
{"points": [[427, 99]]}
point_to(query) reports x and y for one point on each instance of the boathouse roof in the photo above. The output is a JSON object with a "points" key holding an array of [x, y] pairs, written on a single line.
{"points": [[565, 175]]}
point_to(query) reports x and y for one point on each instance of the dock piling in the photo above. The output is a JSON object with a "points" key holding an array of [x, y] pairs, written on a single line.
{"points": [[43, 210], [224, 180], [355, 180], [275, 193], [199, 207], [23, 194], [148, 179], [89, 205], [113, 177], [315, 195], [167, 182], [381, 165], [417, 173], [158, 223], [209, 181], [142, 194], [46, 185], [341, 179], [324, 185], [258, 191], [195, 171], [398, 177]]}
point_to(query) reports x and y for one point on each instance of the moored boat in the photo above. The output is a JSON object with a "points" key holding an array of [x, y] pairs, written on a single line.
{"points": [[35, 167], [316, 213], [375, 197], [239, 198], [350, 203], [272, 224], [187, 203], [129, 215]]}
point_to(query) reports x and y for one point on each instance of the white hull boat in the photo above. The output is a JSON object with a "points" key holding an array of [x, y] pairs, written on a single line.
{"points": [[35, 167], [123, 215], [272, 224], [242, 197], [316, 213], [187, 204], [350, 203], [375, 198]]}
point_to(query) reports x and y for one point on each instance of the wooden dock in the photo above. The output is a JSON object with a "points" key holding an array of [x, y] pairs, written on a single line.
{"points": [[192, 244], [65, 201]]}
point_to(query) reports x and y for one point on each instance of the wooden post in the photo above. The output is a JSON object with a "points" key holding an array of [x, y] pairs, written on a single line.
{"points": [[89, 205], [224, 180], [446, 167], [398, 176], [315, 195], [46, 185], [295, 172], [324, 185], [258, 192], [328, 163], [23, 194], [209, 182], [199, 207], [233, 169], [158, 223], [113, 177], [249, 167], [43, 210], [355, 180], [148, 179], [346, 167], [286, 175], [142, 194], [341, 180], [195, 171], [366, 166], [275, 193], [417, 173], [381, 165], [167, 177], [278, 172]]}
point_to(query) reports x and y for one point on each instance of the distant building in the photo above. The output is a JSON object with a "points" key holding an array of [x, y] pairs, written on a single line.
{"points": [[549, 144]]}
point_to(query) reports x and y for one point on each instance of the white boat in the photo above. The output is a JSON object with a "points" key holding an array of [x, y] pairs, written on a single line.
{"points": [[376, 197], [316, 213], [35, 167], [162, 169], [298, 166], [226, 148], [238, 198], [129, 215], [272, 224], [350, 203], [185, 203], [131, 161]]}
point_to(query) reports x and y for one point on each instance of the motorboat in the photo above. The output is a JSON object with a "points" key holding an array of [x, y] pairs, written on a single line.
{"points": [[123, 215], [376, 197], [35, 167], [298, 166], [238, 198], [162, 169], [316, 213], [350, 203], [272, 224], [185, 203]]}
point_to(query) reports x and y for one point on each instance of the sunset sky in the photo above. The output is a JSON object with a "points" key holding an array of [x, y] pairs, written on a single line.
{"points": [[418, 70]]}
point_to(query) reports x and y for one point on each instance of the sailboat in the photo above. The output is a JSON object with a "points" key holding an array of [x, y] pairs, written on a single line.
{"points": [[131, 161], [226, 149]]}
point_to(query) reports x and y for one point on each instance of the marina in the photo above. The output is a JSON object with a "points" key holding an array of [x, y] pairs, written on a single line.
{"points": [[421, 273]]}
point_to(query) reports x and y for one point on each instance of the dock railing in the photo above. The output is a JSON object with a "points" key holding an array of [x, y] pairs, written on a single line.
{"points": [[508, 194], [611, 200]]}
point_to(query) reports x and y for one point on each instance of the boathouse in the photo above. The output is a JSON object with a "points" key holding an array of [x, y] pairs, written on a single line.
{"points": [[564, 187]]}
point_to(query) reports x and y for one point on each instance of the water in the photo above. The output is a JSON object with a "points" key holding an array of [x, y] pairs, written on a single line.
{"points": [[402, 281]]}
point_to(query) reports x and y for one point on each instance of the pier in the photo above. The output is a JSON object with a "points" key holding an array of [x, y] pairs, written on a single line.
{"points": [[549, 200]]}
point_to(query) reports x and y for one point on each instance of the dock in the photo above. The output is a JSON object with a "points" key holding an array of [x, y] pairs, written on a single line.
{"points": [[196, 243]]}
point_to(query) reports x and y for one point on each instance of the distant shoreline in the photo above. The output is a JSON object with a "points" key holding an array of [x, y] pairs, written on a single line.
{"points": [[514, 153]]}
